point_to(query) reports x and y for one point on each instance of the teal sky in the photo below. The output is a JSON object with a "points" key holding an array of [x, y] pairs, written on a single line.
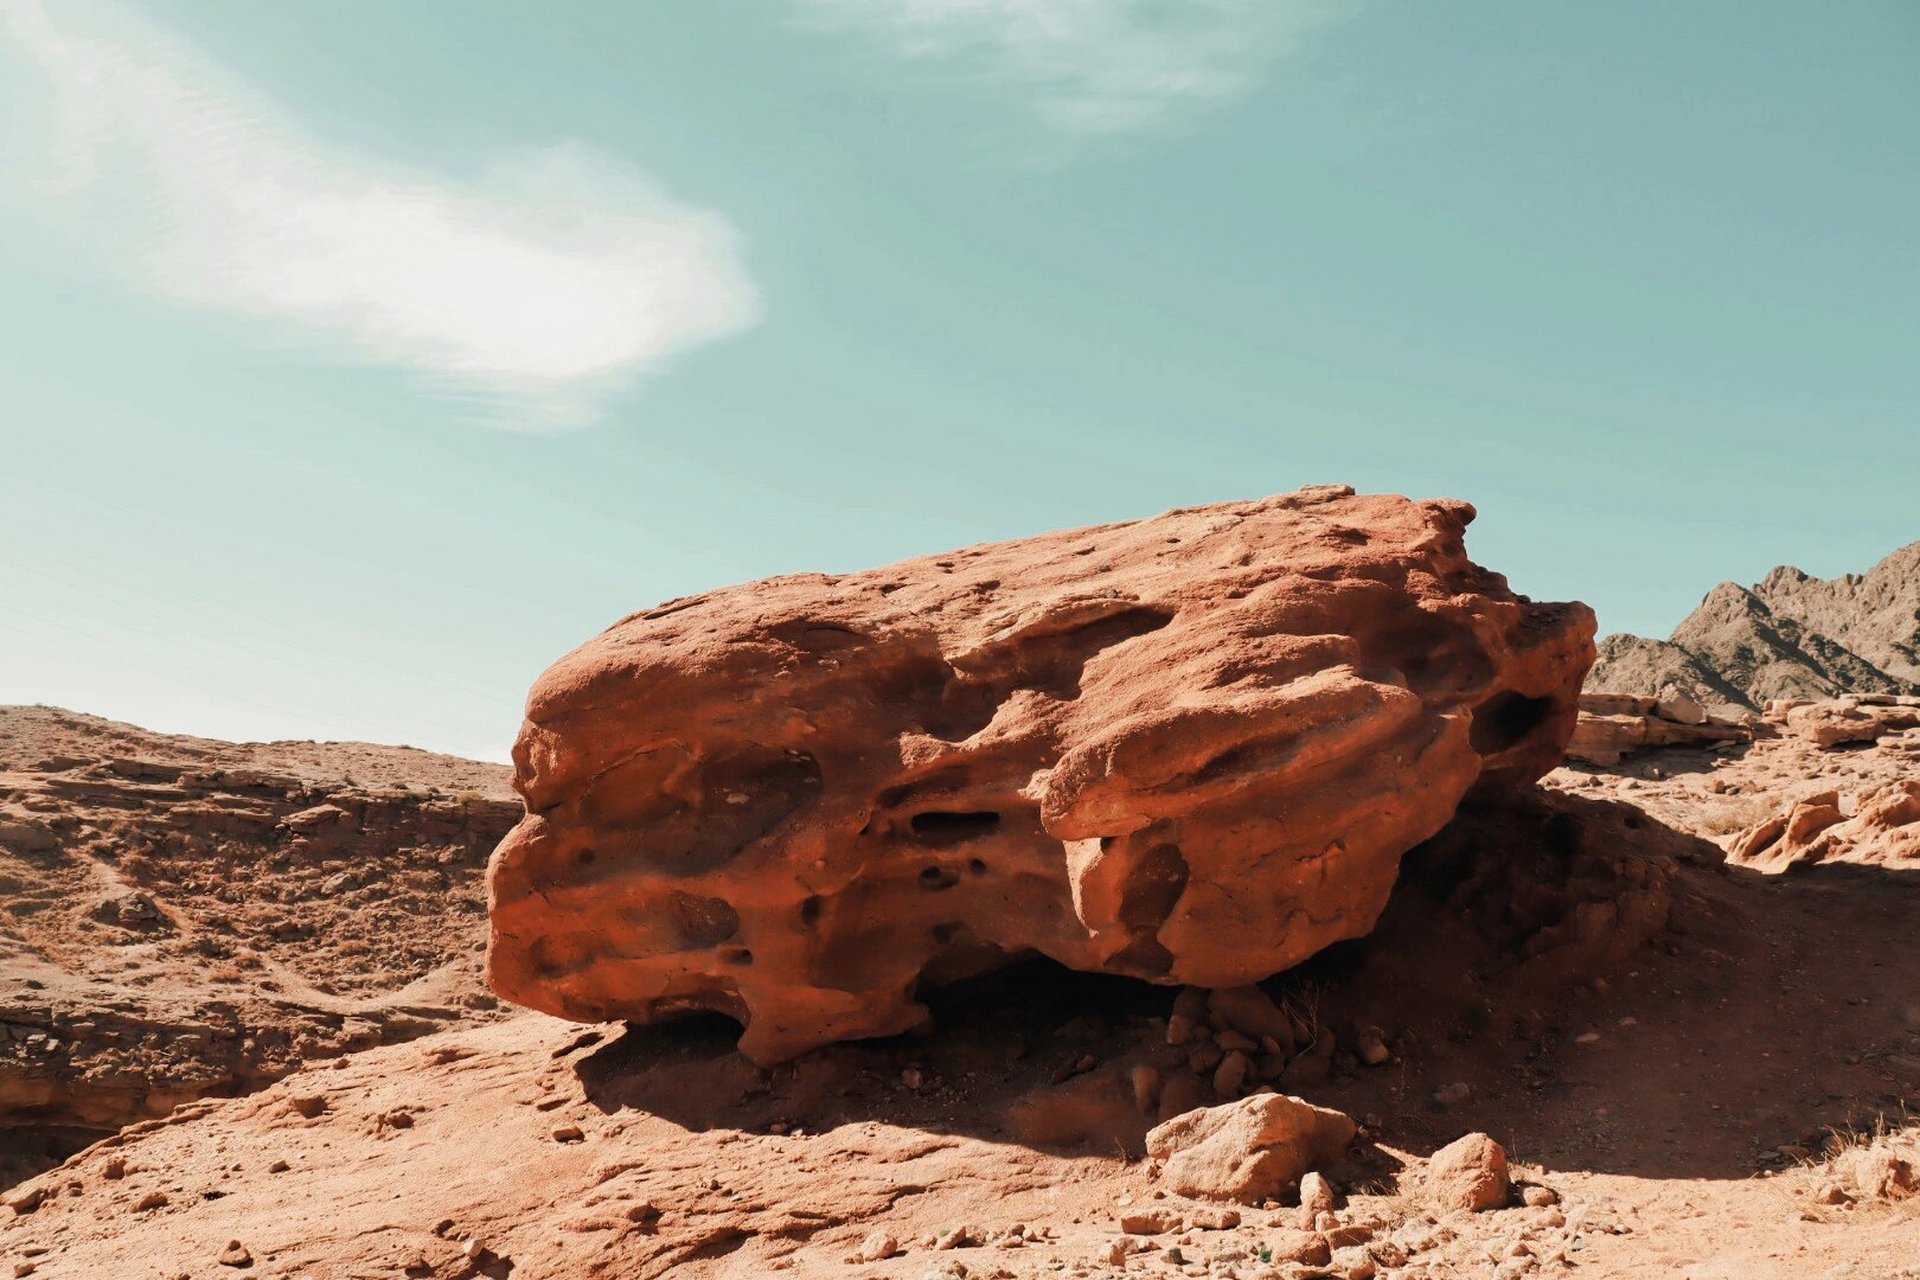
{"points": [[361, 359]]}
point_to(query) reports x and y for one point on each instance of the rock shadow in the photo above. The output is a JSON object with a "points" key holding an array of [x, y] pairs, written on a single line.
{"points": [[1610, 994]]}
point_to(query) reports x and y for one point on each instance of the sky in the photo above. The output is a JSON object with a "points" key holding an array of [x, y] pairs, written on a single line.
{"points": [[357, 361]]}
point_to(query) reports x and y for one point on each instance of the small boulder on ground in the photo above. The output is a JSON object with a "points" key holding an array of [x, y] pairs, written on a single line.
{"points": [[1469, 1173], [1248, 1150]]}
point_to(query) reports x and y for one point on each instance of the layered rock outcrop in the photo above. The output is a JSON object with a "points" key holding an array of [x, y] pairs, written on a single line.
{"points": [[1613, 726], [1191, 749]]}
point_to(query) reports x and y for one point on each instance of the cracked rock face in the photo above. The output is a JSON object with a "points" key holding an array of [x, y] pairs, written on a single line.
{"points": [[1190, 749]]}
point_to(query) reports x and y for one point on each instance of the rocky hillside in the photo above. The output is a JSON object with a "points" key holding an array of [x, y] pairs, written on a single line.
{"points": [[181, 917], [1788, 636]]}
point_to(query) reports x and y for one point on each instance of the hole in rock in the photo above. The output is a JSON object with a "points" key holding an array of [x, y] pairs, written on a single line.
{"points": [[1502, 722], [940, 829], [1153, 887], [935, 879], [585, 857], [1035, 996], [737, 955], [810, 911], [977, 866]]}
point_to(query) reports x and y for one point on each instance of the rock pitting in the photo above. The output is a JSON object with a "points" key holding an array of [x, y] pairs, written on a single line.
{"points": [[1190, 749]]}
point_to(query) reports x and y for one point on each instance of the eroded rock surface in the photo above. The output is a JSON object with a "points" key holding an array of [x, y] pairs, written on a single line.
{"points": [[1191, 749]]}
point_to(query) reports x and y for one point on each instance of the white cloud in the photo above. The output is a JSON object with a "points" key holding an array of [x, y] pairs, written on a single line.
{"points": [[1099, 66], [540, 287]]}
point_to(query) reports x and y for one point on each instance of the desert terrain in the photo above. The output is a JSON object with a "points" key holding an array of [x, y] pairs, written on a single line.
{"points": [[1652, 1017]]}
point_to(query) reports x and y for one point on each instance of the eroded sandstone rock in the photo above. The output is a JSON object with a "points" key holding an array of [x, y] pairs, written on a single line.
{"points": [[1877, 826], [1190, 749]]}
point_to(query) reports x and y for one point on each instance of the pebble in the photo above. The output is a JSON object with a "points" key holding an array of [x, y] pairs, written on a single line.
{"points": [[1453, 1095], [1316, 1194], [569, 1133], [1538, 1197], [1371, 1046], [1208, 1218], [235, 1255], [151, 1200]]}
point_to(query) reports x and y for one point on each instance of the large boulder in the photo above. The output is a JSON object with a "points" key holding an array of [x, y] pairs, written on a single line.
{"points": [[1191, 749]]}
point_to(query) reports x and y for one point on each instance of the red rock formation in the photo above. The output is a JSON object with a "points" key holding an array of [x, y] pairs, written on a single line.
{"points": [[1191, 749]]}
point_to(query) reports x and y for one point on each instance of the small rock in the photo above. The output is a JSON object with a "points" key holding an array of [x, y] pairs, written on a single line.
{"points": [[1208, 1218], [1231, 1075], [1148, 1220], [1316, 1193], [1204, 1056], [1536, 1196], [23, 1269], [1469, 1173], [1370, 1046], [1251, 1012], [1830, 1193], [1231, 1040], [569, 1133], [235, 1255], [27, 1201], [1453, 1095], [114, 1169], [1303, 1247], [1354, 1264], [960, 1237], [308, 1106], [151, 1200], [1181, 1030], [278, 1166], [877, 1247], [912, 1078]]}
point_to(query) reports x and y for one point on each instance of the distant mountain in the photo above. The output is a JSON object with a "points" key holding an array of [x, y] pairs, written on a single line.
{"points": [[1790, 635]]}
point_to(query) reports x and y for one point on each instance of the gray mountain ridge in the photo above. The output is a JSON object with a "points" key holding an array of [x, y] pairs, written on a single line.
{"points": [[1790, 635]]}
